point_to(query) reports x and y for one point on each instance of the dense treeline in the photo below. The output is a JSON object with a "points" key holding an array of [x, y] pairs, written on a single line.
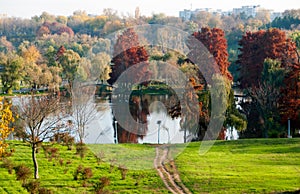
{"points": [[49, 51]]}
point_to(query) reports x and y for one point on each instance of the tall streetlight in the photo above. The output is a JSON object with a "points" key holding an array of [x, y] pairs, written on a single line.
{"points": [[158, 122], [116, 132]]}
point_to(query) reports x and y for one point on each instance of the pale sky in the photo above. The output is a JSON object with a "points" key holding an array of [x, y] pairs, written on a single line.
{"points": [[29, 8]]}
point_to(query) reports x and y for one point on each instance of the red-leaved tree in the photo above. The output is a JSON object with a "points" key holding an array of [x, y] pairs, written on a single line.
{"points": [[212, 57], [255, 49], [129, 54]]}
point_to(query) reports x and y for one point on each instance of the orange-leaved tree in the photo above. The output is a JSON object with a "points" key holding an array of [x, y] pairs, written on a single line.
{"points": [[128, 53], [211, 56]]}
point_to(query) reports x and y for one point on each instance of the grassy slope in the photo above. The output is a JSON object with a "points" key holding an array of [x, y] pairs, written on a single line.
{"points": [[53, 176], [244, 166]]}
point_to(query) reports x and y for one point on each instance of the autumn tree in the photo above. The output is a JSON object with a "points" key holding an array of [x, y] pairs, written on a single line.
{"points": [[101, 66], [84, 72], [271, 44], [290, 101], [5, 45], [6, 118], [215, 42], [255, 47], [36, 72], [31, 56], [129, 54], [43, 31], [12, 73], [211, 54], [69, 61], [43, 117]]}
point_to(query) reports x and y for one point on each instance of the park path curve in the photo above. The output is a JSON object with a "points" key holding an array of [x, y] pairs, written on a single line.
{"points": [[167, 171]]}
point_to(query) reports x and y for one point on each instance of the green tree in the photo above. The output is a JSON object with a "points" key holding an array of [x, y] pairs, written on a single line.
{"points": [[101, 66], [233, 117], [296, 38], [268, 93], [84, 70], [12, 73], [69, 61]]}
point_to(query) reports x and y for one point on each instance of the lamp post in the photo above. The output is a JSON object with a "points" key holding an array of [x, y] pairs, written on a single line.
{"points": [[116, 132], [289, 128], [158, 122]]}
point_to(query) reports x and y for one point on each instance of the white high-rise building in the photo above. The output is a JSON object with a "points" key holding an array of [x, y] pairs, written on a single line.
{"points": [[247, 10]]}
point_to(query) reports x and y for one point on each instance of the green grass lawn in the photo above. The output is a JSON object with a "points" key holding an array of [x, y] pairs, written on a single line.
{"points": [[59, 178], [243, 166]]}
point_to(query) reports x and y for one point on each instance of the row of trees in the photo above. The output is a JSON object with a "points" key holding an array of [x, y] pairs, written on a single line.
{"points": [[258, 67], [129, 54], [269, 78], [50, 63], [16, 30], [110, 21]]}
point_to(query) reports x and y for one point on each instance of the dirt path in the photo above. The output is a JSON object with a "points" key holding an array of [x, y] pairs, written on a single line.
{"points": [[168, 172]]}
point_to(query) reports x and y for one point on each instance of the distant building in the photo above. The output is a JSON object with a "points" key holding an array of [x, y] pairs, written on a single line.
{"points": [[187, 14], [249, 11]]}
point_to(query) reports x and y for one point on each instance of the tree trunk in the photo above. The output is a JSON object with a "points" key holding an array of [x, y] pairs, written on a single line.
{"points": [[35, 163]]}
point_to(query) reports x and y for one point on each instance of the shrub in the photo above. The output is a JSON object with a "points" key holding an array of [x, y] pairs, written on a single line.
{"points": [[100, 157], [64, 138], [65, 171], [81, 150], [53, 153], [112, 164], [99, 186], [78, 171], [68, 162], [85, 184], [45, 191], [137, 177], [123, 171], [8, 164], [33, 187], [46, 149], [22, 172], [87, 173], [84, 173], [50, 152], [61, 162]]}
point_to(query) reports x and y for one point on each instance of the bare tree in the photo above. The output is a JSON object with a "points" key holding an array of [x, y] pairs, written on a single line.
{"points": [[84, 108], [42, 116]]}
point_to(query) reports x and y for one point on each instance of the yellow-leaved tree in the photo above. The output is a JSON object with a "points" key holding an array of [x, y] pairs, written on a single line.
{"points": [[6, 118]]}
